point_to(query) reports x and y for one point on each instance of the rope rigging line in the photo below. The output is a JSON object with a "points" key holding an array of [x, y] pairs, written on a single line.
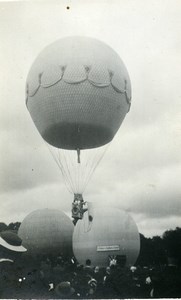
{"points": [[54, 153], [64, 173], [77, 175], [99, 153], [67, 167], [88, 167], [63, 160], [89, 172], [78, 167]]}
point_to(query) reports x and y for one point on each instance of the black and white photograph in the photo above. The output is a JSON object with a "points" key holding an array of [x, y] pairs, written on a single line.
{"points": [[90, 149]]}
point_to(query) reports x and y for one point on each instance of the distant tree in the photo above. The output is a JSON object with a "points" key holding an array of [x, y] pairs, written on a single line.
{"points": [[159, 252], [3, 226], [152, 251], [172, 243], [14, 226], [156, 250], [146, 252]]}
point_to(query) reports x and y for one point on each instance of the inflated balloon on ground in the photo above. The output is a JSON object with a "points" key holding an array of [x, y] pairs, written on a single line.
{"points": [[112, 232], [47, 231]]}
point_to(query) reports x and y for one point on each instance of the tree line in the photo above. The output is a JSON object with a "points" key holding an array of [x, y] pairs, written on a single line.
{"points": [[160, 250]]}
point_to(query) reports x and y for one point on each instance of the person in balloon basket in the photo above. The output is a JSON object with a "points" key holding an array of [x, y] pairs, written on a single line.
{"points": [[10, 251]]}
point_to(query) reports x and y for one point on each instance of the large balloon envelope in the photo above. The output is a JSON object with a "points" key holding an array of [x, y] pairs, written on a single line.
{"points": [[78, 92]]}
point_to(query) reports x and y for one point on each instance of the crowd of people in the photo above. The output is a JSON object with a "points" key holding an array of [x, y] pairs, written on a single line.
{"points": [[60, 277], [64, 278]]}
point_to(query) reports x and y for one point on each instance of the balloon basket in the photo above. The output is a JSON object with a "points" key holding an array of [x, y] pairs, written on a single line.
{"points": [[78, 208]]}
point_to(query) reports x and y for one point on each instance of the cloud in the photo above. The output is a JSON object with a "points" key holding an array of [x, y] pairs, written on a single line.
{"points": [[140, 171], [24, 166], [16, 205], [151, 228]]}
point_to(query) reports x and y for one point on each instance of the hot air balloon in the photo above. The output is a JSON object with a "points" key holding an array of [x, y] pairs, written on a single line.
{"points": [[78, 92], [47, 231], [110, 233]]}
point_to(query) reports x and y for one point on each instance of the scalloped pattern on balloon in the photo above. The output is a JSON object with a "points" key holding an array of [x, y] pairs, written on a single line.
{"points": [[118, 83], [99, 76], [74, 74], [32, 87], [51, 75], [128, 99], [128, 91]]}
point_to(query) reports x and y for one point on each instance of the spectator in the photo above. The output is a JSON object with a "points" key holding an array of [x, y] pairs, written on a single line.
{"points": [[65, 290], [88, 268], [92, 286]]}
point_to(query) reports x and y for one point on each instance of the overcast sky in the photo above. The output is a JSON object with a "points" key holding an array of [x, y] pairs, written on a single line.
{"points": [[141, 171]]}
